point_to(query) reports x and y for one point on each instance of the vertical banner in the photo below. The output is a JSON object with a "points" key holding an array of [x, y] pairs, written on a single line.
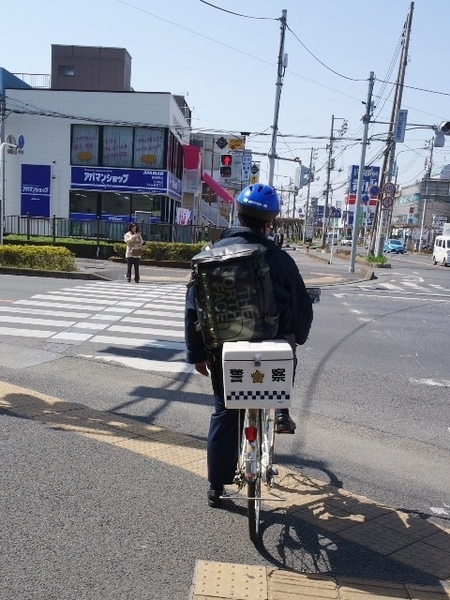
{"points": [[183, 216], [35, 191]]}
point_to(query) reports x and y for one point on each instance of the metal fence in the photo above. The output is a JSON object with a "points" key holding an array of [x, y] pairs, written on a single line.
{"points": [[108, 231]]}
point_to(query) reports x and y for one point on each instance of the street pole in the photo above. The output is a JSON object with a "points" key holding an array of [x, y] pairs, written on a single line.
{"points": [[308, 192], [387, 172], [2, 186], [428, 175], [366, 121], [327, 185], [280, 74]]}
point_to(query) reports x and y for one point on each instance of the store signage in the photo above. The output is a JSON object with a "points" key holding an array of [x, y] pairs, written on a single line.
{"points": [[153, 181], [370, 179], [35, 190]]}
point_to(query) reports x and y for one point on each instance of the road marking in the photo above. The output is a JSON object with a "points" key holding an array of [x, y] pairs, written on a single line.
{"points": [[12, 331], [165, 344], [144, 331], [432, 382], [31, 321], [71, 298], [42, 311], [143, 364], [391, 286], [72, 337]]}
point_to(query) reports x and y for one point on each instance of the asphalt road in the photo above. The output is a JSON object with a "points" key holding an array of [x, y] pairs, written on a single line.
{"points": [[83, 519]]}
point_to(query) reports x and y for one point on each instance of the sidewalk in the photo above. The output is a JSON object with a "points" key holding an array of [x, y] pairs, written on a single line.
{"points": [[317, 268], [340, 517]]}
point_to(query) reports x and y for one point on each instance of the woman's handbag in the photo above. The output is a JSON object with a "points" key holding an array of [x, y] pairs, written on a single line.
{"points": [[136, 252]]}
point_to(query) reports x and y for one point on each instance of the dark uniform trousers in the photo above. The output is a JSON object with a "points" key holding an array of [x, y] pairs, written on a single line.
{"points": [[223, 432]]}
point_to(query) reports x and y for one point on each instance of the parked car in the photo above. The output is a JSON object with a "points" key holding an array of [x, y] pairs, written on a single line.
{"points": [[394, 246], [441, 250], [347, 240]]}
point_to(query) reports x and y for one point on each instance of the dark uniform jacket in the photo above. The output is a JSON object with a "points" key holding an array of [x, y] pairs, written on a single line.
{"points": [[293, 301]]}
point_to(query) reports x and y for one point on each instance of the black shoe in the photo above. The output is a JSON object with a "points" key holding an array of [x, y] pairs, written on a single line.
{"points": [[284, 424], [136, 281], [214, 499]]}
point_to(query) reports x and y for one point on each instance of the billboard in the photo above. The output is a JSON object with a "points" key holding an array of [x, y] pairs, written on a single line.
{"points": [[371, 177], [35, 190]]}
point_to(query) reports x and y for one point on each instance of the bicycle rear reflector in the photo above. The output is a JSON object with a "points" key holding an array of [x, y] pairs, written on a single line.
{"points": [[251, 433]]}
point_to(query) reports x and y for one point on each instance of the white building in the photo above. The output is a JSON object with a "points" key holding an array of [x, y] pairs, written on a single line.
{"points": [[100, 155]]}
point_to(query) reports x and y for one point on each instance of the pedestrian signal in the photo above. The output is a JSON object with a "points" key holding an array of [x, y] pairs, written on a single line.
{"points": [[226, 161]]}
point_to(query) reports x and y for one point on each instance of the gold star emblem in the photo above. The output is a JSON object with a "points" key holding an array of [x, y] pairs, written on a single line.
{"points": [[257, 376]]}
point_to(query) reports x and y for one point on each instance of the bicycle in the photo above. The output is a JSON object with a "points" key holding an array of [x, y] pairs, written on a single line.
{"points": [[256, 441]]}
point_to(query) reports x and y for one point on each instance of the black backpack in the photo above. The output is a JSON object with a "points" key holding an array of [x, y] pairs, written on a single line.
{"points": [[234, 294]]}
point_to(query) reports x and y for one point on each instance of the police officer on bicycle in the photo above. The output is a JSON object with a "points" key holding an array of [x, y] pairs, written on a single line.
{"points": [[257, 205]]}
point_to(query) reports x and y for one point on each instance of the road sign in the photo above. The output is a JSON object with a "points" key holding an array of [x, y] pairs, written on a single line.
{"points": [[387, 202], [374, 190], [222, 142], [400, 126], [365, 199], [388, 188], [254, 169]]}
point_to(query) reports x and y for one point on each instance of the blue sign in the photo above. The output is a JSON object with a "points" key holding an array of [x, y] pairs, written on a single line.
{"points": [[400, 126], [21, 142], [149, 181], [371, 177], [35, 190]]}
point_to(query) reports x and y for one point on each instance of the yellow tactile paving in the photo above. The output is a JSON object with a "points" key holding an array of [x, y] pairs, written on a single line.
{"points": [[299, 586], [224, 580], [403, 537], [217, 580]]}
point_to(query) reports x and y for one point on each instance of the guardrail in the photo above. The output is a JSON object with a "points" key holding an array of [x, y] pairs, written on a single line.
{"points": [[110, 231]]}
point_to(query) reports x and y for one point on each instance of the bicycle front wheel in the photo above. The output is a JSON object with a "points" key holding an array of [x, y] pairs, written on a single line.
{"points": [[254, 484]]}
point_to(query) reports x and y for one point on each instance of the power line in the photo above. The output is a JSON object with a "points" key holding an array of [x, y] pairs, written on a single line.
{"points": [[230, 12]]}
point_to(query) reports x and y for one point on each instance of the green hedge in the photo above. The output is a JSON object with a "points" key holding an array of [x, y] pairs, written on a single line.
{"points": [[163, 250], [48, 258]]}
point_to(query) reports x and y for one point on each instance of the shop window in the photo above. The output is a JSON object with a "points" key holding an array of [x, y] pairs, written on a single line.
{"points": [[146, 203], [117, 146], [149, 146], [85, 140], [82, 204], [115, 204]]}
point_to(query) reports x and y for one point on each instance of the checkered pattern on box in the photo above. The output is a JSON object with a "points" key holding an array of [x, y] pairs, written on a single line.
{"points": [[258, 395]]}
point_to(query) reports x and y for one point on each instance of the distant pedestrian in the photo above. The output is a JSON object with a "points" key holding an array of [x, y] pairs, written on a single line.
{"points": [[133, 253], [279, 238]]}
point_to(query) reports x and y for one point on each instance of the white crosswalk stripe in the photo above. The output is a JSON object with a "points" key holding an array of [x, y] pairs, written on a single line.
{"points": [[146, 318], [407, 288]]}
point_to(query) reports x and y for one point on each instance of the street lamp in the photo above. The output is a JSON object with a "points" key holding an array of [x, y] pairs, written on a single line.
{"points": [[2, 182]]}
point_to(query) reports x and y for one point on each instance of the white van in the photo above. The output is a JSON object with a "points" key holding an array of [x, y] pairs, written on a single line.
{"points": [[332, 239], [441, 250]]}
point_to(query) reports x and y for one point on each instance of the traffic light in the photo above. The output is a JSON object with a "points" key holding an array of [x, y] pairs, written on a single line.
{"points": [[226, 160], [445, 127]]}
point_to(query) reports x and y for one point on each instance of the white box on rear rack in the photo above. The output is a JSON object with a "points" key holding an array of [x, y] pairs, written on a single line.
{"points": [[257, 374]]}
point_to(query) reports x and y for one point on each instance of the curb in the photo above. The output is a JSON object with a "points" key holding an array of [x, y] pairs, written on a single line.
{"points": [[366, 273], [54, 274]]}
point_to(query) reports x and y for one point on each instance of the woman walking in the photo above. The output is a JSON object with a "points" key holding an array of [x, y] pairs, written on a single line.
{"points": [[133, 253]]}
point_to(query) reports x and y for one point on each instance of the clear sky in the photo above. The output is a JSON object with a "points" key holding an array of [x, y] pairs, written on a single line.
{"points": [[226, 64]]}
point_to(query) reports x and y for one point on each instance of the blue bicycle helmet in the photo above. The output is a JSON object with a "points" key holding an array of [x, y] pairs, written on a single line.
{"points": [[258, 201]]}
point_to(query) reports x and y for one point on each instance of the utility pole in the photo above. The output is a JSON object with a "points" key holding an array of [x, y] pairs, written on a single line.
{"points": [[366, 121], [424, 209], [281, 66], [389, 156], [327, 185], [308, 191]]}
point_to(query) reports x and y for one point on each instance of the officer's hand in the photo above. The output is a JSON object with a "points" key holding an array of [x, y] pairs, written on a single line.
{"points": [[202, 368]]}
